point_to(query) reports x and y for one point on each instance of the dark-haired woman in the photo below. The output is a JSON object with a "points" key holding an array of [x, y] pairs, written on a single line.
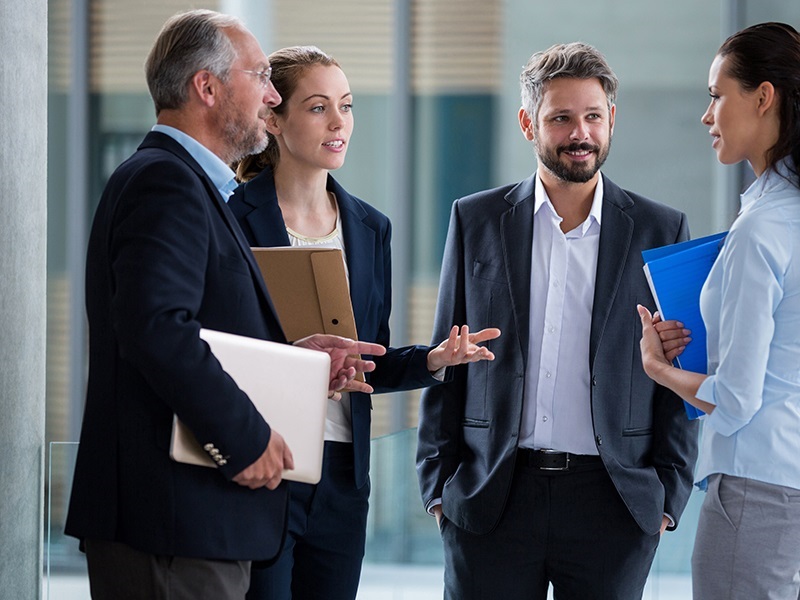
{"points": [[748, 538]]}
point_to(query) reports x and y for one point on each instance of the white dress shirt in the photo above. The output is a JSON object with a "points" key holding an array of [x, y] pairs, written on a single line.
{"points": [[751, 309], [556, 403]]}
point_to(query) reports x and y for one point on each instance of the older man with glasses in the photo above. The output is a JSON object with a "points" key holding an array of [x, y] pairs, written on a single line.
{"points": [[165, 258]]}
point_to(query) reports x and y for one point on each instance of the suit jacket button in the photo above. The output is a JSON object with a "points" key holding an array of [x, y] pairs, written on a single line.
{"points": [[599, 439], [222, 462], [594, 380], [208, 447]]}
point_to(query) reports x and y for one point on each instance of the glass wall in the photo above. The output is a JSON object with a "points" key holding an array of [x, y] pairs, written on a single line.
{"points": [[436, 99]]}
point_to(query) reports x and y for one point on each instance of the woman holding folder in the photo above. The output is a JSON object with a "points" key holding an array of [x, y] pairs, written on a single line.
{"points": [[748, 538], [290, 199]]}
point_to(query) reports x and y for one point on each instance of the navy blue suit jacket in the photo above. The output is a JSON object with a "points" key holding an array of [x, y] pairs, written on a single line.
{"points": [[166, 258], [367, 237], [469, 429]]}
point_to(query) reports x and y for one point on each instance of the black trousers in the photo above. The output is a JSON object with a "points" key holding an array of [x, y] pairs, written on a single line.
{"points": [[565, 528], [321, 558], [119, 572]]}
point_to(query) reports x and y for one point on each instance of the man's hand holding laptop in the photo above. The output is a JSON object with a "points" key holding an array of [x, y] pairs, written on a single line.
{"points": [[346, 362]]}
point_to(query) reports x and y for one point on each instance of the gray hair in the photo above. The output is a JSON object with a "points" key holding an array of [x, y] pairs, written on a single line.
{"points": [[575, 60], [188, 42]]}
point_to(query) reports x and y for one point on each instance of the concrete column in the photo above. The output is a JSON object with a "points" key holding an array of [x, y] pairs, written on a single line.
{"points": [[23, 239]]}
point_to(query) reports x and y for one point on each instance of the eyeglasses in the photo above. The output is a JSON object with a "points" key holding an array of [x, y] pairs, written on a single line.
{"points": [[264, 75]]}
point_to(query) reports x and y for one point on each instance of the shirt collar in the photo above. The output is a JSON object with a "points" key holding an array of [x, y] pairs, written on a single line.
{"points": [[595, 212], [220, 174], [770, 181]]}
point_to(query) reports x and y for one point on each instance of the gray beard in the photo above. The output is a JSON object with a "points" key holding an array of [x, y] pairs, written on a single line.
{"points": [[243, 142]]}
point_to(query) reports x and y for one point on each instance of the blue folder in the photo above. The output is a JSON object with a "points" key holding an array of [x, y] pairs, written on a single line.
{"points": [[676, 274]]}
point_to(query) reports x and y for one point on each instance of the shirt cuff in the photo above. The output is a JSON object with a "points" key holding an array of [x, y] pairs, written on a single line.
{"points": [[439, 376], [719, 420], [706, 390], [434, 503]]}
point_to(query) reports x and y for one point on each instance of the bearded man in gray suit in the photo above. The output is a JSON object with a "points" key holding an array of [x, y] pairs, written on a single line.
{"points": [[560, 462]]}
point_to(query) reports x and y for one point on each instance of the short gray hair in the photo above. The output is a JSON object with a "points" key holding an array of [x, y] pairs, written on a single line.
{"points": [[575, 60], [189, 42]]}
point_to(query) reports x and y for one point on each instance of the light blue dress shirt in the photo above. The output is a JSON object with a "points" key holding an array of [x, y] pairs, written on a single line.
{"points": [[751, 308], [220, 174]]}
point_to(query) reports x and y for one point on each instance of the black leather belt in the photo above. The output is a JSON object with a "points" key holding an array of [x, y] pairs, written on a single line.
{"points": [[552, 460]]}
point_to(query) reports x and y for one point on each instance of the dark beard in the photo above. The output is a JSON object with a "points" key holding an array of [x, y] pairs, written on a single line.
{"points": [[573, 173]]}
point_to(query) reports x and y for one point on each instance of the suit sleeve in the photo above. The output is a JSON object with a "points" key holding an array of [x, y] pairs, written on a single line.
{"points": [[404, 368], [674, 440], [164, 273], [442, 407]]}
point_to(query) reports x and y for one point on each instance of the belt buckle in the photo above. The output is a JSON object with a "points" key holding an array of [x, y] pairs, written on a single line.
{"points": [[548, 451]]}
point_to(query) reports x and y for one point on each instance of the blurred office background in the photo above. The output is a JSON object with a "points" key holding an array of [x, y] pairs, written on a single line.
{"points": [[436, 98]]}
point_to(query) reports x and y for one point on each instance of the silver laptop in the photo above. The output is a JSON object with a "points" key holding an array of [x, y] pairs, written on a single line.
{"points": [[288, 385]]}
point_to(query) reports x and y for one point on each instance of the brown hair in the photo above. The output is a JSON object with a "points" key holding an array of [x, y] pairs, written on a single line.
{"points": [[771, 52], [575, 60], [288, 67]]}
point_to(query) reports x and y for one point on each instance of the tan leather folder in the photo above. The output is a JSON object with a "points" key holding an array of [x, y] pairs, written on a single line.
{"points": [[308, 287]]}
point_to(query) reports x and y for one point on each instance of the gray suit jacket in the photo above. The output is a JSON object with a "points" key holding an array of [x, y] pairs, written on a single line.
{"points": [[469, 428]]}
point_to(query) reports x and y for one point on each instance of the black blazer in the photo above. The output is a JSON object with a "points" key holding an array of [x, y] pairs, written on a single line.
{"points": [[469, 429], [165, 258], [367, 236]]}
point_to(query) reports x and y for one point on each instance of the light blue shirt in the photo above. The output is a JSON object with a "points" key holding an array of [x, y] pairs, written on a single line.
{"points": [[751, 308], [220, 174]]}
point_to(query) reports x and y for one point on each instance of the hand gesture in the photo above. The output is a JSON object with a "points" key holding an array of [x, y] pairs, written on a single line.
{"points": [[461, 348], [345, 360]]}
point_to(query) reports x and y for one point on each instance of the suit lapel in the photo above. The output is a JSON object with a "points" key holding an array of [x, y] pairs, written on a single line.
{"points": [[164, 141], [265, 220], [359, 242], [234, 228], [516, 238], [616, 233]]}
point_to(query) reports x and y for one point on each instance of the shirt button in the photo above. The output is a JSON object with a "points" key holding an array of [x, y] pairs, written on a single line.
{"points": [[547, 374], [544, 419]]}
